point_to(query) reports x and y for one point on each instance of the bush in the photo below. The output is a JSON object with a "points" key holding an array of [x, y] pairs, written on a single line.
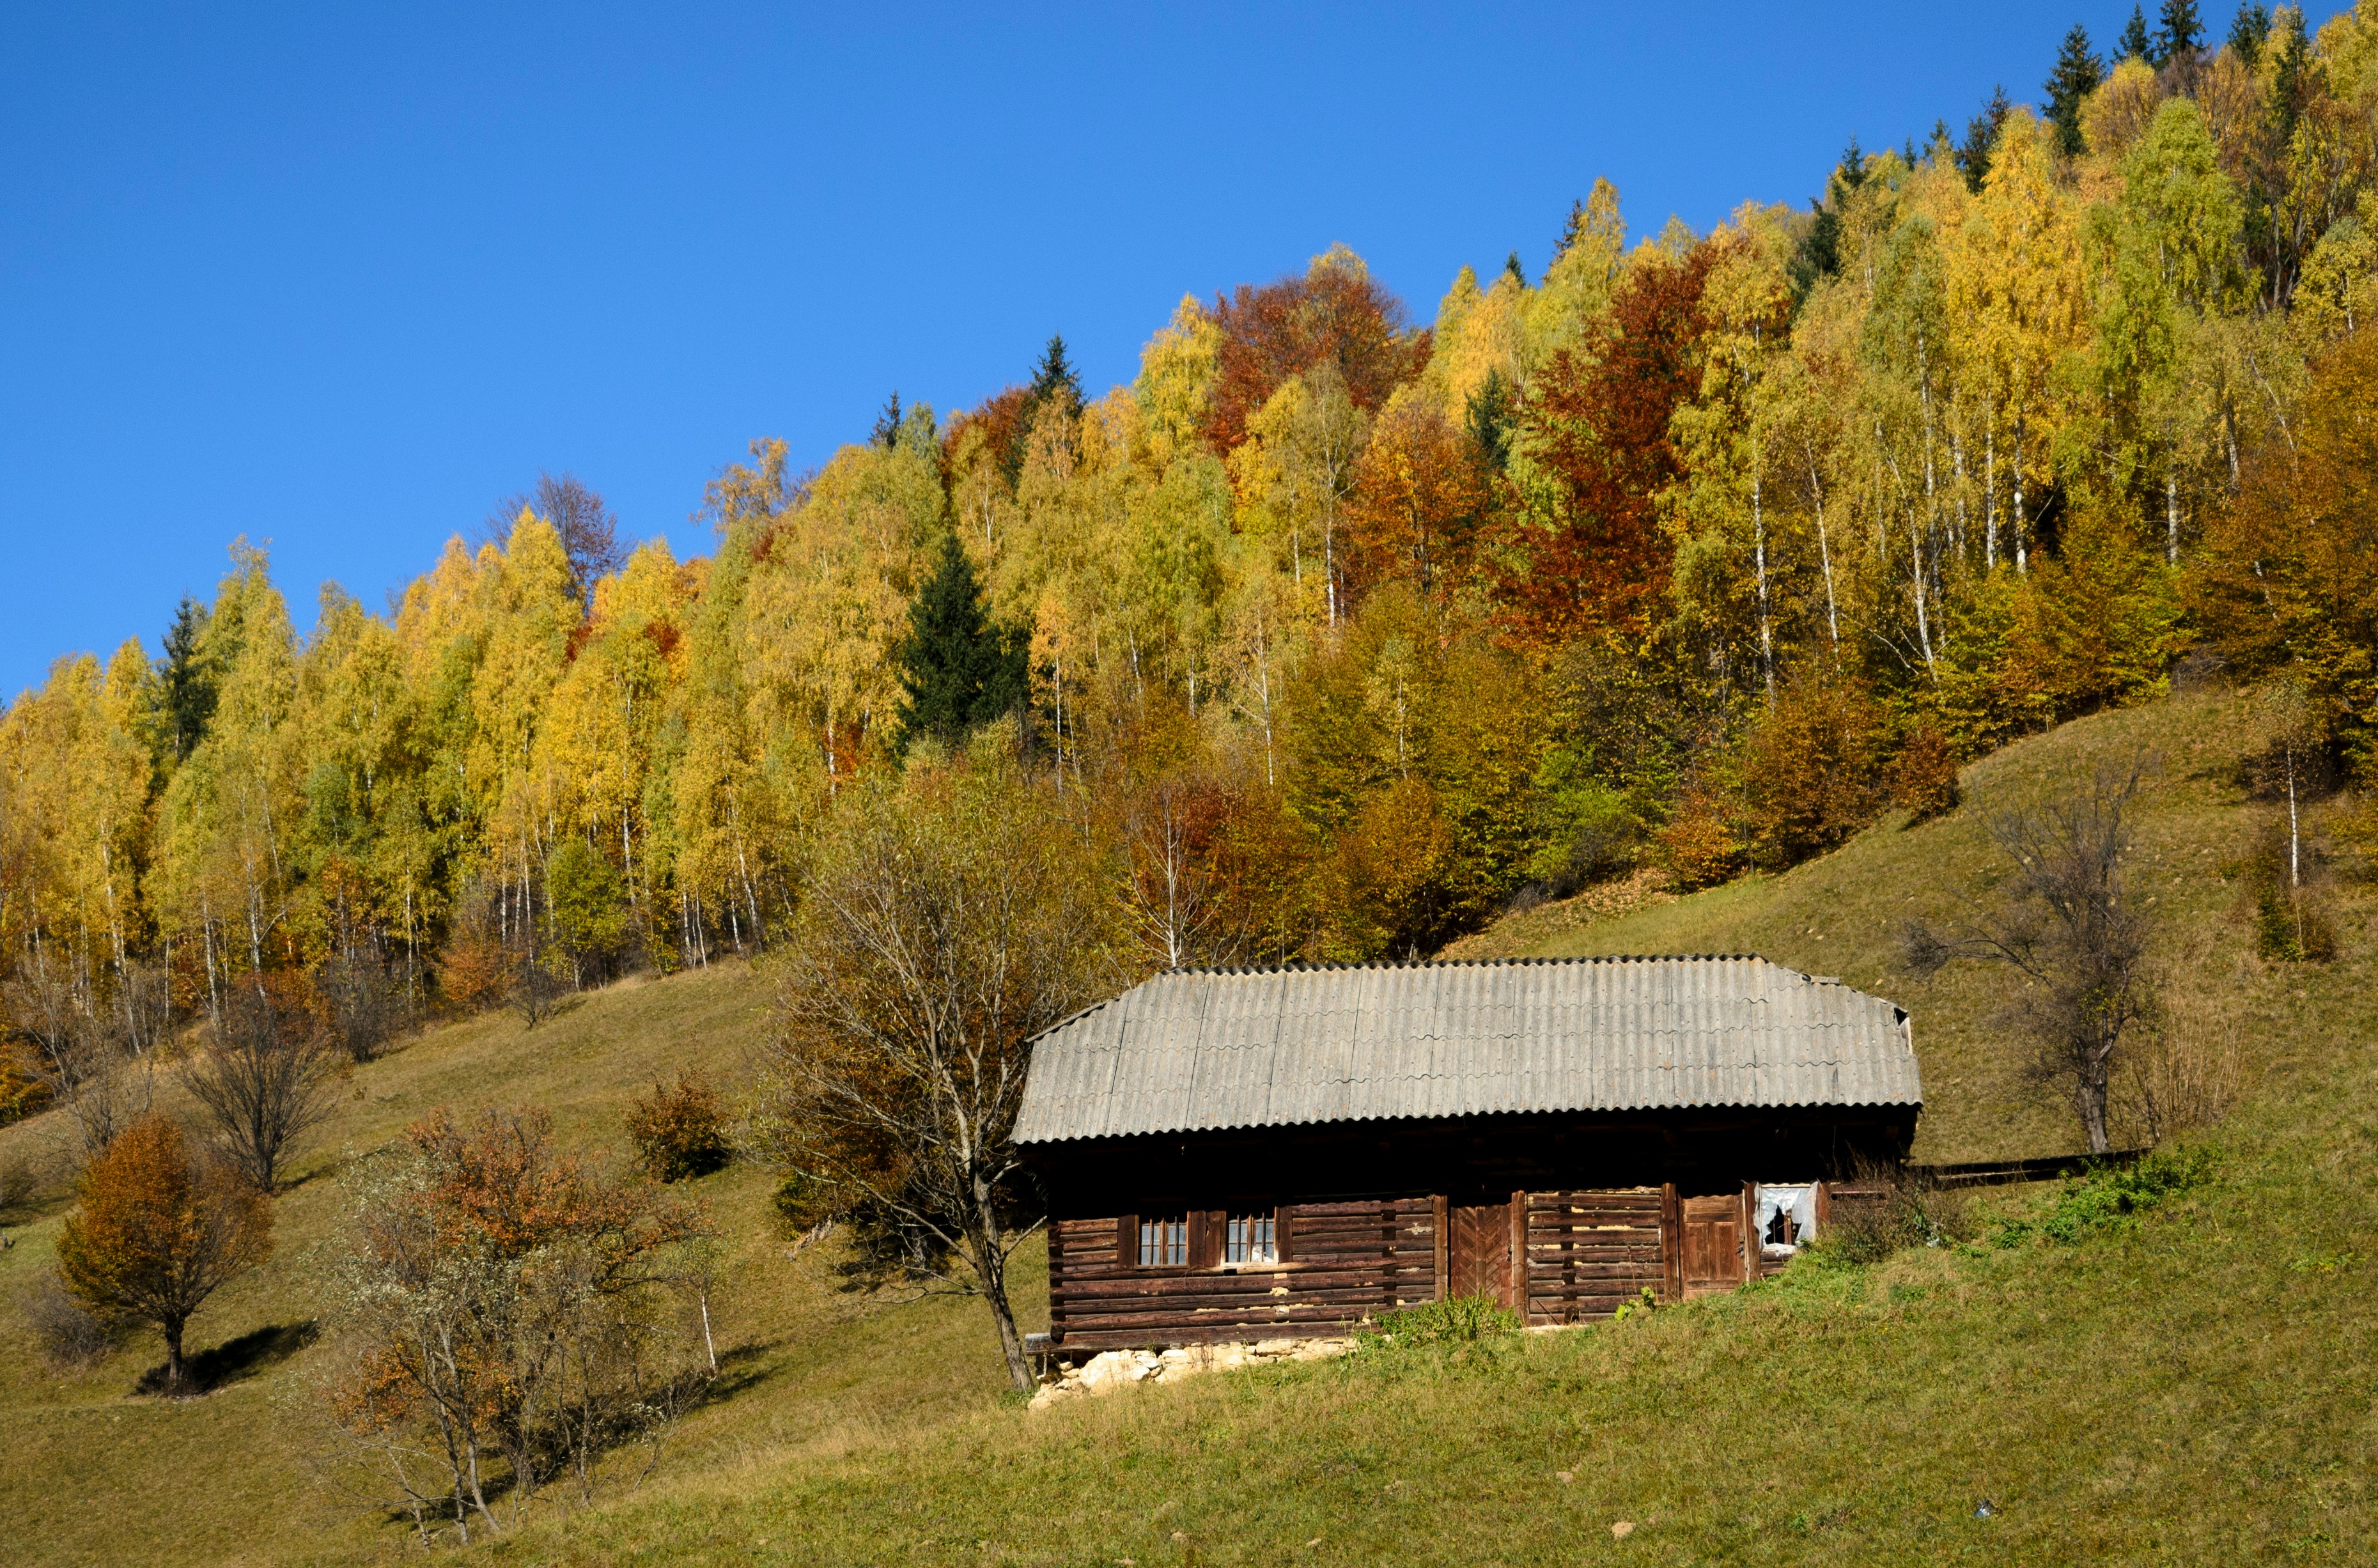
{"points": [[1884, 1207], [2293, 921], [680, 1133], [1924, 777], [71, 1336], [2111, 1198], [361, 1004], [1808, 769], [1699, 845], [17, 1184], [475, 972], [1463, 1320]]}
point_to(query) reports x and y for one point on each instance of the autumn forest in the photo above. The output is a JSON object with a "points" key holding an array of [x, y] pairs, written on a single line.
{"points": [[1338, 631]]}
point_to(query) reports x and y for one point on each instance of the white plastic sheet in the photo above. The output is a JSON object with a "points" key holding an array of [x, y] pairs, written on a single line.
{"points": [[1797, 1203]]}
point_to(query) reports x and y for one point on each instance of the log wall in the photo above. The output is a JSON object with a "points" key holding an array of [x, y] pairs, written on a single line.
{"points": [[1588, 1253], [1345, 1262], [1592, 1253]]}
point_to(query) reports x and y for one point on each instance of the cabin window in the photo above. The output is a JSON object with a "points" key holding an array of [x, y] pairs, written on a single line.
{"points": [[1164, 1243], [1786, 1218], [1250, 1239]]}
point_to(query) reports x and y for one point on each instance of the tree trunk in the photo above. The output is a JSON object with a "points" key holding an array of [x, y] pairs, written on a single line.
{"points": [[2090, 1097], [173, 1358], [990, 1268]]}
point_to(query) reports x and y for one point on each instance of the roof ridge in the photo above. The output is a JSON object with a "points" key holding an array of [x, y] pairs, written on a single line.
{"points": [[1331, 967]]}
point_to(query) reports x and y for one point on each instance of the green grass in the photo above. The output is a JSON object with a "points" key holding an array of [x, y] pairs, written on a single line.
{"points": [[2178, 1370]]}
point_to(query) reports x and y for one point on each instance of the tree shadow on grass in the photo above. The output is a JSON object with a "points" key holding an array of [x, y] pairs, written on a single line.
{"points": [[235, 1360]]}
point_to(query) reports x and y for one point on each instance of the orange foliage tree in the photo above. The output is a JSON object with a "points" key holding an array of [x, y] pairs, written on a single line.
{"points": [[1420, 496], [1335, 312], [160, 1230], [1586, 551], [2288, 577]]}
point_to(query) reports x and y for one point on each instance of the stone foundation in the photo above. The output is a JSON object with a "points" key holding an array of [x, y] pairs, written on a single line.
{"points": [[1111, 1369]]}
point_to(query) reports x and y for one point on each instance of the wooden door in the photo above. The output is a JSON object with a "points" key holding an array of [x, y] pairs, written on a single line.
{"points": [[1712, 1245], [1478, 1258]]}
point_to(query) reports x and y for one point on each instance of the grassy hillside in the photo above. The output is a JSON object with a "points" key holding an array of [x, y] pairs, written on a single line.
{"points": [[2192, 1387], [94, 1476]]}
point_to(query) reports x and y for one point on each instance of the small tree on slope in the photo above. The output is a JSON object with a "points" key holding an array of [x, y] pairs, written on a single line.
{"points": [[2068, 929], [157, 1232], [955, 922]]}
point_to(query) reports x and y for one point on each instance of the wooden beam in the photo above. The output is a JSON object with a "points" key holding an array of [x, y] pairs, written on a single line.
{"points": [[1672, 1240], [1444, 1269]]}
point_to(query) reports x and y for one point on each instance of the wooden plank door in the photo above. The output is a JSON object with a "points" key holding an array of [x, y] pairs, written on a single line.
{"points": [[1478, 1260], [1713, 1248]]}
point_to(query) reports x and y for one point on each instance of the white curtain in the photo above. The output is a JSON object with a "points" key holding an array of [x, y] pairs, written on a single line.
{"points": [[1799, 1201]]}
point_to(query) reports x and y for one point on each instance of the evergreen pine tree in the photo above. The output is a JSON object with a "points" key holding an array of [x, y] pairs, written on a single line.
{"points": [[2182, 33], [2247, 32], [886, 432], [1570, 230], [956, 668], [1488, 415], [2135, 44], [2078, 72], [1511, 266], [1054, 377], [1982, 138], [2289, 71], [188, 692]]}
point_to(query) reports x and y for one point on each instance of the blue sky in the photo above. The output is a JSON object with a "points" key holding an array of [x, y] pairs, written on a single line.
{"points": [[337, 277]]}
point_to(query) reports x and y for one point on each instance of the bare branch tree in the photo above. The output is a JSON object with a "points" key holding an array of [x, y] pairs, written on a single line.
{"points": [[1172, 890], [590, 533], [87, 1066], [2066, 926], [266, 1083], [951, 926]]}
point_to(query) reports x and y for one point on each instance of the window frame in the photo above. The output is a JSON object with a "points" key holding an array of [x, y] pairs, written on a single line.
{"points": [[1205, 1239]]}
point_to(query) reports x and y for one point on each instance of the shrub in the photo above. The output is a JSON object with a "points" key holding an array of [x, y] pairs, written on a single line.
{"points": [[17, 1184], [2111, 1198], [267, 1081], [1808, 769], [1884, 1207], [1462, 1319], [680, 1133], [1700, 846], [71, 1336], [1924, 776], [361, 1003], [475, 972], [2293, 921]]}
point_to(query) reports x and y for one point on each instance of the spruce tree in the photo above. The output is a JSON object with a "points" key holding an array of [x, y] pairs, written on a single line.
{"points": [[2182, 33], [1982, 138], [886, 432], [1054, 377], [1511, 266], [186, 694], [1571, 230], [1488, 415], [2136, 44], [2078, 72], [956, 668], [2290, 72], [2247, 32]]}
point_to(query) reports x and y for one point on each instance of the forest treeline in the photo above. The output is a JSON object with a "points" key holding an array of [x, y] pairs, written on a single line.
{"points": [[1333, 633]]}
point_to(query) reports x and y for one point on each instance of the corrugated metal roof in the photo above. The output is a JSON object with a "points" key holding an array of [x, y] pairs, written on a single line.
{"points": [[1199, 1049]]}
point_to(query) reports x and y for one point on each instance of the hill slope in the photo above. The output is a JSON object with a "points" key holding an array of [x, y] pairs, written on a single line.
{"points": [[2191, 1387]]}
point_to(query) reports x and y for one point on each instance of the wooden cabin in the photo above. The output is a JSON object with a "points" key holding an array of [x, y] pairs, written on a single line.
{"points": [[1251, 1153]]}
